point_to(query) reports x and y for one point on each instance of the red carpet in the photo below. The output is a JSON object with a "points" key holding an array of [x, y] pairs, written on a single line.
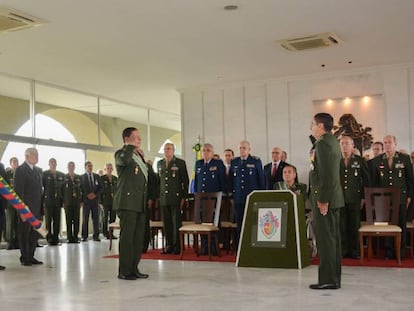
{"points": [[374, 262], [189, 255]]}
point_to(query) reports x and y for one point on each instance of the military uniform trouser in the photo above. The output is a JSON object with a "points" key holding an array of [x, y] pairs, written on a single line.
{"points": [[52, 215], [402, 223], [350, 223], [171, 216], [328, 242], [131, 240], [72, 220], [108, 217], [148, 233]]}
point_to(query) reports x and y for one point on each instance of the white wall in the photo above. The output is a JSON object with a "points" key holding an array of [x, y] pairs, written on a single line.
{"points": [[278, 112]]}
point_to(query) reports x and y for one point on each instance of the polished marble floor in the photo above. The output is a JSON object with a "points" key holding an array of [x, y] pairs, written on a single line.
{"points": [[77, 277]]}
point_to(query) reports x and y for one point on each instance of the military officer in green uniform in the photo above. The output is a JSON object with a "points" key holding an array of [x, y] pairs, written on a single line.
{"points": [[12, 217], [130, 204], [53, 181], [72, 195], [110, 184], [326, 200], [354, 177], [174, 181], [289, 174], [394, 169]]}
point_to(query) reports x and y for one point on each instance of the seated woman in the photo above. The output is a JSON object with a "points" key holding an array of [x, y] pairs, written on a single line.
{"points": [[289, 183]]}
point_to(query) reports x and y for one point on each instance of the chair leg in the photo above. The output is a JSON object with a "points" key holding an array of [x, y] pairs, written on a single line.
{"points": [[369, 247], [111, 231], [218, 246], [361, 247], [398, 248], [209, 245], [182, 244]]}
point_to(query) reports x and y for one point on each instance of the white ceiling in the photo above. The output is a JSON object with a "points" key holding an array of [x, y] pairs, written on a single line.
{"points": [[143, 51]]}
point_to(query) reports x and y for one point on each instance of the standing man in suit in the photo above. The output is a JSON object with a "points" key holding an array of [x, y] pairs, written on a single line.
{"points": [[12, 217], [2, 207], [91, 193], [394, 169], [110, 185], [174, 181], [273, 171], [354, 177], [28, 185], [326, 200], [130, 203], [247, 175], [53, 181], [72, 195]]}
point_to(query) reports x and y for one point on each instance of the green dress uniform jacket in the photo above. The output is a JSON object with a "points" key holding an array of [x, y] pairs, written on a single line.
{"points": [[354, 177], [130, 204], [325, 187], [72, 195], [53, 201], [298, 188], [399, 175]]}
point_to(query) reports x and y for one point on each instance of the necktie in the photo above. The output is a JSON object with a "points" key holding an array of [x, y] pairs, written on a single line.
{"points": [[90, 180], [274, 169], [390, 162]]}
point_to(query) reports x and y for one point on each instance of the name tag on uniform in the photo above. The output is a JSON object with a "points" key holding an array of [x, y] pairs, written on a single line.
{"points": [[213, 168], [399, 165], [250, 165], [174, 168]]}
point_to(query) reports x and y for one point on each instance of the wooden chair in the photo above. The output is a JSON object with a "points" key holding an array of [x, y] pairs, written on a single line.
{"points": [[382, 208], [206, 216], [410, 228], [187, 214], [156, 225], [228, 227]]}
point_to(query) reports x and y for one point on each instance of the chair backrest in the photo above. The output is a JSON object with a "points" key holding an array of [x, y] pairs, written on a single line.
{"points": [[382, 205], [187, 211], [207, 207], [156, 211], [227, 210]]}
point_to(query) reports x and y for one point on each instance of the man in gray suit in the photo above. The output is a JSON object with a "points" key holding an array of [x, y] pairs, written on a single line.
{"points": [[28, 185]]}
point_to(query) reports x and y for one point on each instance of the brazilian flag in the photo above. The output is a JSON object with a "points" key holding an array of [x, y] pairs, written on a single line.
{"points": [[198, 156]]}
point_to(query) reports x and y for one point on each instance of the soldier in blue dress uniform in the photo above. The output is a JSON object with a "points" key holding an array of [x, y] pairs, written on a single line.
{"points": [[247, 175]]}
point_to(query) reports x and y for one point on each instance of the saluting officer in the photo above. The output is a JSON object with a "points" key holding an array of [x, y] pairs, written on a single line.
{"points": [[72, 195], [209, 172], [394, 169], [174, 182], [110, 183], [53, 200], [354, 177], [247, 176]]}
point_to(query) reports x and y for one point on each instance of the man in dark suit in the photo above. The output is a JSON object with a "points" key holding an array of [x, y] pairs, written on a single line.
{"points": [[273, 171], [53, 182], [2, 207], [28, 185], [394, 169], [326, 200], [173, 177], [247, 175], [354, 177], [130, 203], [91, 193], [12, 216]]}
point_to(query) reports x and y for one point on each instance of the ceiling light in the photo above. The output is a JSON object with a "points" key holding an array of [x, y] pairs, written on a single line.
{"points": [[231, 7]]}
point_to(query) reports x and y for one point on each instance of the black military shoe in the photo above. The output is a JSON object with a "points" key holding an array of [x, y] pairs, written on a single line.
{"points": [[127, 277], [140, 275], [323, 286]]}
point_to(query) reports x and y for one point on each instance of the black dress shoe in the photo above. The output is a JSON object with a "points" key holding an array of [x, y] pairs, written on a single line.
{"points": [[27, 263], [323, 286], [126, 277], [2, 268], [97, 239], [140, 275], [37, 262], [168, 250], [85, 240], [39, 245]]}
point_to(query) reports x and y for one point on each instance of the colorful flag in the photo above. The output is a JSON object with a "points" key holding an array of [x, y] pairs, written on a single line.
{"points": [[198, 156]]}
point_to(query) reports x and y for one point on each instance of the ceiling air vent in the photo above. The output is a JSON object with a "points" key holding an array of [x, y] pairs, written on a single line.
{"points": [[11, 20], [319, 40]]}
